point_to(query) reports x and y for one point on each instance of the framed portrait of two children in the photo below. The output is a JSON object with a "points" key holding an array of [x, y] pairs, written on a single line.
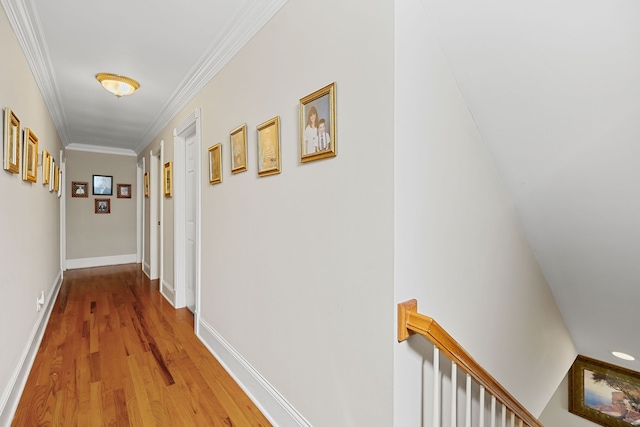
{"points": [[318, 125]]}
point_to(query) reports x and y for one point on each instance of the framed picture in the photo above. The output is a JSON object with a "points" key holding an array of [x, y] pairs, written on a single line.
{"points": [[102, 185], [146, 184], [124, 191], [318, 125], [46, 167], [215, 163], [239, 149], [52, 169], [168, 179], [56, 178], [606, 394], [59, 189], [269, 147], [103, 206], [12, 142], [79, 189], [30, 155]]}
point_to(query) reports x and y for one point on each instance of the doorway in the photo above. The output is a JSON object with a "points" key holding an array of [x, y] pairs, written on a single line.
{"points": [[186, 180]]}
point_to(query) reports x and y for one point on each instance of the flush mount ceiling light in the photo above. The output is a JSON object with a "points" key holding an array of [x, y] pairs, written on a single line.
{"points": [[624, 356], [117, 85]]}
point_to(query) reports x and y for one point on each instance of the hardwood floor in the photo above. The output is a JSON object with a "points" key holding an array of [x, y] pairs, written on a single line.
{"points": [[115, 353]]}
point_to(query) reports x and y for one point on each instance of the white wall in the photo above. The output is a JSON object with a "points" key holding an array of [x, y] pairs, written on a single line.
{"points": [[459, 247], [30, 224], [91, 235], [557, 411], [297, 267]]}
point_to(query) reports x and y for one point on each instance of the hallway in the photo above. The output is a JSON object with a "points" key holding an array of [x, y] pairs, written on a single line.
{"points": [[116, 353]]}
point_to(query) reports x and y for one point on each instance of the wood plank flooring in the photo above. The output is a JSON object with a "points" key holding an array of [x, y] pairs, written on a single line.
{"points": [[115, 353]]}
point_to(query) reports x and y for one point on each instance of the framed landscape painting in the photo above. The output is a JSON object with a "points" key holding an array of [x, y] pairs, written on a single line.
{"points": [[606, 394]]}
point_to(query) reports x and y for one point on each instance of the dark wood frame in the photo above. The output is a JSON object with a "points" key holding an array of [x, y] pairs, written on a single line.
{"points": [[75, 185], [97, 203], [120, 188]]}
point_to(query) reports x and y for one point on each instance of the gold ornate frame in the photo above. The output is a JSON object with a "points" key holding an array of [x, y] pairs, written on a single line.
{"points": [[30, 156], [168, 179], [269, 147], [624, 385], [238, 139], [12, 141], [46, 167], [323, 103], [215, 163]]}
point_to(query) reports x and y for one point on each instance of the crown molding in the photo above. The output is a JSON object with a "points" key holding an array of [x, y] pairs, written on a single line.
{"points": [[101, 149], [246, 25], [25, 22]]}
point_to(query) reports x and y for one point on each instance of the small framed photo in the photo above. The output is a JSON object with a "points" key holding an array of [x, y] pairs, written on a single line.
{"points": [[12, 141], [52, 169], [102, 185], [124, 191], [30, 155], [269, 147], [215, 164], [57, 175], [239, 149], [606, 394], [318, 125], [146, 184], [46, 167], [168, 179], [59, 185], [79, 189], [103, 206]]}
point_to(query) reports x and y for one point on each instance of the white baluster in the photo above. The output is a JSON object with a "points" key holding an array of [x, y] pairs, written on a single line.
{"points": [[467, 420], [454, 392], [481, 406], [504, 415], [436, 387], [493, 411]]}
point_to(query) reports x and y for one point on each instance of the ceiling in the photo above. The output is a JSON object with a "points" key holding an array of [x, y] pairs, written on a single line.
{"points": [[552, 85], [172, 48]]}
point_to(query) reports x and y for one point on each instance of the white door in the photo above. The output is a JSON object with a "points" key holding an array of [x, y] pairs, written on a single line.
{"points": [[190, 220]]}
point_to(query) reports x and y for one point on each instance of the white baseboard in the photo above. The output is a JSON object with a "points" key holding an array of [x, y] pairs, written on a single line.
{"points": [[13, 392], [146, 269], [168, 293], [100, 261], [272, 404]]}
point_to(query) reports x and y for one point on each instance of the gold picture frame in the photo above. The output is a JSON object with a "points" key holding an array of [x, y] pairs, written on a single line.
{"points": [[318, 139], [124, 191], [269, 147], [46, 167], [168, 179], [146, 185], [12, 141], [59, 183], [30, 156], [238, 138], [56, 179], [79, 189], [619, 388], [102, 206], [215, 163]]}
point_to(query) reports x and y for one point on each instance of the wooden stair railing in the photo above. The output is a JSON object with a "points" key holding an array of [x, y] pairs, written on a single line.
{"points": [[411, 322]]}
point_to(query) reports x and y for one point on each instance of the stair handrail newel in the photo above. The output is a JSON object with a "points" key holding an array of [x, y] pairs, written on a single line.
{"points": [[411, 322]]}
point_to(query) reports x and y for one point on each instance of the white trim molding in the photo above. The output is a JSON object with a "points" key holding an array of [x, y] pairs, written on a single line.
{"points": [[13, 392], [270, 402], [73, 264], [101, 149]]}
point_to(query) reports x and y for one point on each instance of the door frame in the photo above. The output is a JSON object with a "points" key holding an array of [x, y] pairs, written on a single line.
{"points": [[190, 126]]}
